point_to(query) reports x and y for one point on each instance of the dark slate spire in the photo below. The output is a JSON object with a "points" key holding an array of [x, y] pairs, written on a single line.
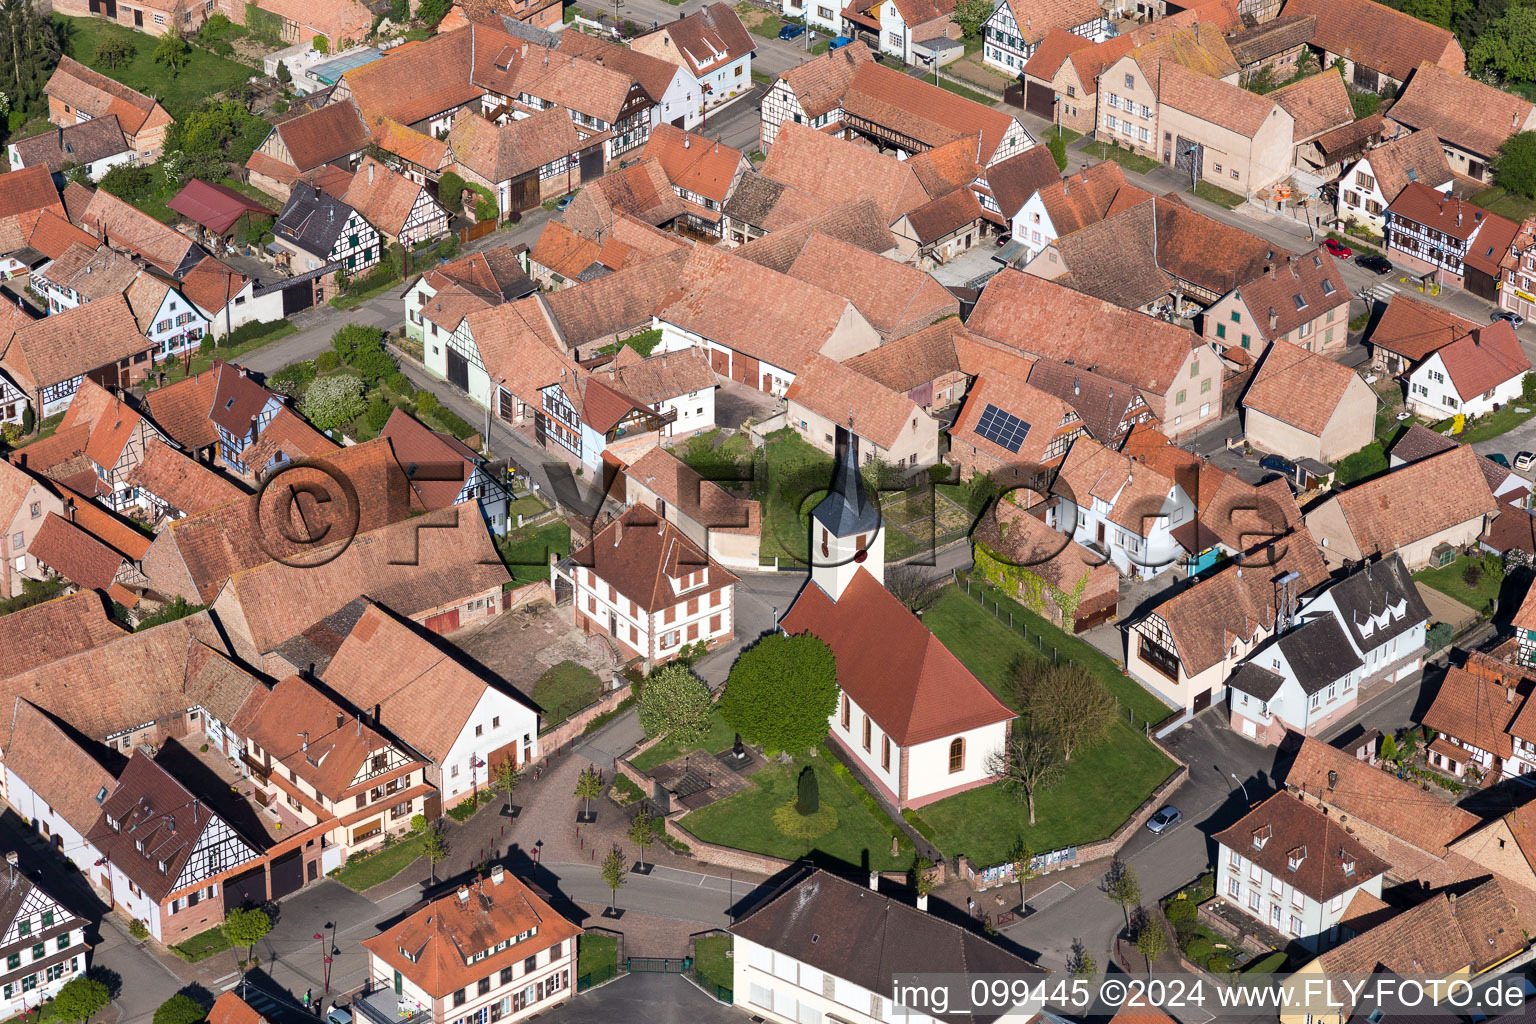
{"points": [[847, 510]]}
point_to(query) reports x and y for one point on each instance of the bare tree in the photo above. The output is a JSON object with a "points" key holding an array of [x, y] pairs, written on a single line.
{"points": [[1030, 761], [1066, 700], [1121, 886], [914, 585]]}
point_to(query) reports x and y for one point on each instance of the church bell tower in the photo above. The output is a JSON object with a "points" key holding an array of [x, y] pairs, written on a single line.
{"points": [[846, 531]]}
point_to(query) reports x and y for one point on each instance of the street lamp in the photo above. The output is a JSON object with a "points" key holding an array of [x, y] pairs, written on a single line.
{"points": [[1240, 783], [325, 961], [474, 792], [538, 847]]}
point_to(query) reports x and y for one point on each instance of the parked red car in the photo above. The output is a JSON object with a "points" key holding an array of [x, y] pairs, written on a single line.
{"points": [[1338, 248]]}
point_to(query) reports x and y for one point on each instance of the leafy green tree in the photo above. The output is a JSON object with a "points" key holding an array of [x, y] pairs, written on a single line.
{"points": [[1364, 103], [79, 999], [30, 47], [674, 701], [1389, 748], [1080, 962], [114, 51], [1437, 636], [782, 692], [506, 777], [1151, 940], [332, 401], [588, 787], [377, 414], [1507, 50], [1528, 387], [1031, 760], [450, 187], [283, 74], [28, 420], [129, 182], [971, 15], [1022, 857], [180, 1009], [642, 832], [807, 792], [1514, 166], [246, 926], [418, 823], [1436, 12], [374, 365], [174, 52], [1121, 886], [614, 870], [434, 847]]}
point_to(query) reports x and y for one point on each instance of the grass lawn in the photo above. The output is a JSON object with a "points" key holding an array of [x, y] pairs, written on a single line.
{"points": [[1362, 465], [597, 957], [565, 689], [202, 945], [718, 739], [1068, 136], [177, 370], [382, 866], [1494, 424], [526, 552], [983, 823], [761, 78], [970, 94], [644, 343], [711, 962], [745, 821], [767, 25], [988, 647], [352, 299], [797, 476], [527, 506], [1134, 162], [203, 76], [1449, 581], [731, 460], [1218, 195], [1507, 204]]}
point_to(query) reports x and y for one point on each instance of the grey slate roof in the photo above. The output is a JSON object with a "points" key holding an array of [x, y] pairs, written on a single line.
{"points": [[1256, 681], [312, 650], [312, 220], [531, 33], [753, 198], [866, 938], [1377, 590], [1318, 653], [847, 510]]}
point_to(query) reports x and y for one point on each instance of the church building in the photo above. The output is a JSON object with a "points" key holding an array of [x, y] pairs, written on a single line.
{"points": [[916, 719]]}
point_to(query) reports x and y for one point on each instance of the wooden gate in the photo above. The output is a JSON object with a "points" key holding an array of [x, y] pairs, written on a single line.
{"points": [[1039, 99], [458, 370], [746, 370], [523, 193], [477, 230], [720, 362], [592, 164]]}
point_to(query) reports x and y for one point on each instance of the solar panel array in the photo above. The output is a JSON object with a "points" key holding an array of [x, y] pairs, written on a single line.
{"points": [[1002, 428]]}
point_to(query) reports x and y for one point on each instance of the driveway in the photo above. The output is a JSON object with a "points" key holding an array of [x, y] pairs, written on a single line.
{"points": [[736, 403], [645, 999], [1511, 443]]}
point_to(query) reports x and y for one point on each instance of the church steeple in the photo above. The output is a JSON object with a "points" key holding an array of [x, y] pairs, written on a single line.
{"points": [[846, 532]]}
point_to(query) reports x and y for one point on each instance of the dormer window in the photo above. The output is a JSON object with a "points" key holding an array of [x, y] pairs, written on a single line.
{"points": [[1295, 857], [1261, 836], [1348, 865], [138, 844], [160, 866]]}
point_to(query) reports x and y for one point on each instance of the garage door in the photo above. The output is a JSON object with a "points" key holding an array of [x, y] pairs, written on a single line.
{"points": [[444, 623], [746, 370], [720, 362], [247, 890], [458, 370], [287, 873], [1039, 99]]}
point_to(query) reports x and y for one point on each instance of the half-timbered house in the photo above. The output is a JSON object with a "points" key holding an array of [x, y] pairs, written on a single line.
{"points": [[329, 767], [581, 417], [44, 944], [444, 472], [1013, 32], [45, 361], [317, 231], [165, 854], [400, 208], [118, 436]]}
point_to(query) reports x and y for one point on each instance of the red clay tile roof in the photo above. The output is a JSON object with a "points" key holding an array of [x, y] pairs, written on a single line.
{"points": [[28, 189], [442, 932], [1217, 102], [118, 224], [502, 152], [1478, 708], [1106, 406], [655, 379], [703, 501], [1051, 16], [654, 74], [411, 146], [1008, 530], [1413, 328], [412, 567], [96, 95], [860, 222], [946, 215], [211, 284], [1097, 191], [52, 235], [1094, 472], [432, 454], [56, 629], [1379, 37], [215, 207], [1416, 157], [1314, 277], [1484, 358], [910, 683], [1389, 512], [383, 197], [894, 297], [910, 362], [72, 343], [1439, 101], [640, 554], [709, 38], [54, 765], [1443, 935], [1319, 103], [819, 83], [953, 165], [1041, 318], [693, 161], [640, 190], [1302, 845], [112, 421], [1238, 601], [1052, 52], [229, 1008], [75, 554], [923, 111], [816, 163], [831, 389], [185, 484], [1298, 387], [290, 436], [1048, 417], [1015, 179], [614, 303]]}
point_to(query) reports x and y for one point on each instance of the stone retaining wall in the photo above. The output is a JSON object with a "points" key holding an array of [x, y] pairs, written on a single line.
{"points": [[574, 726]]}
